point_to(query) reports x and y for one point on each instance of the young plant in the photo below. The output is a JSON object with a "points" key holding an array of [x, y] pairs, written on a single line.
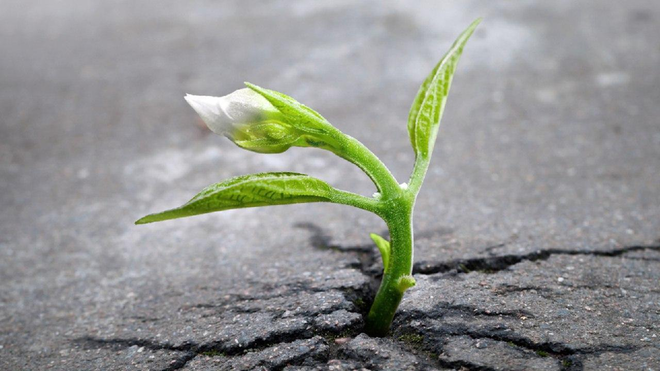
{"points": [[265, 121]]}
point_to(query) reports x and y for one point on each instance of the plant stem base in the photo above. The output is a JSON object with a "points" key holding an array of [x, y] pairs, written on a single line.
{"points": [[383, 309]]}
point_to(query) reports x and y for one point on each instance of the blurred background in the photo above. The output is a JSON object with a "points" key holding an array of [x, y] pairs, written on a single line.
{"points": [[550, 139]]}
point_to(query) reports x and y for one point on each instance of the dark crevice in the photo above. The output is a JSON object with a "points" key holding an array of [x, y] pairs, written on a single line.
{"points": [[189, 349], [192, 349], [227, 349], [444, 309], [413, 343], [321, 240], [498, 263], [144, 319], [551, 348], [374, 360], [569, 357], [493, 247], [367, 255], [505, 334], [507, 289]]}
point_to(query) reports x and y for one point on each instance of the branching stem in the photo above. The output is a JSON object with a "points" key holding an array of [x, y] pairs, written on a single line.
{"points": [[357, 153]]}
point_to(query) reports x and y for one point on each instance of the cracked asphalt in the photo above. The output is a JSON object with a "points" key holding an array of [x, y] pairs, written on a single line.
{"points": [[537, 229]]}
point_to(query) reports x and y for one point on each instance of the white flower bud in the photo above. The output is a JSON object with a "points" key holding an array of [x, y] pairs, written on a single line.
{"points": [[249, 120], [229, 114]]}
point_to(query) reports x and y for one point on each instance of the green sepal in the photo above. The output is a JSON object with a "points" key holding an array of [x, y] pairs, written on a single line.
{"points": [[384, 248], [316, 130], [428, 106], [296, 113], [267, 137], [254, 190]]}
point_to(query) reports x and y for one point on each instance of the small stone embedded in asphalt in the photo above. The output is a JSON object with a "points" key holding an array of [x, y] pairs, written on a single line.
{"points": [[342, 341], [481, 344]]}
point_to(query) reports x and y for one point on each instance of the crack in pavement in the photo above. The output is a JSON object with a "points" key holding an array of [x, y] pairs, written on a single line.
{"points": [[367, 257], [570, 358], [508, 289], [225, 349], [190, 350], [498, 263], [193, 349], [444, 309]]}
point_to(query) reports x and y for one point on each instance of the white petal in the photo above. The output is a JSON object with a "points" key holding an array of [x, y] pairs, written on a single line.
{"points": [[211, 112], [245, 102], [244, 106]]}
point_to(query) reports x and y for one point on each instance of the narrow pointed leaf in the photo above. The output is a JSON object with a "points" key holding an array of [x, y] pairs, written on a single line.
{"points": [[426, 111], [255, 190], [384, 248]]}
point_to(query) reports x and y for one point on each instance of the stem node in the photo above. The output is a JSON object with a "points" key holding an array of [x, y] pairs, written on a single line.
{"points": [[404, 283]]}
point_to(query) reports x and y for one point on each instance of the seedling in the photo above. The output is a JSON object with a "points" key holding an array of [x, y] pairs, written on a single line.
{"points": [[265, 121]]}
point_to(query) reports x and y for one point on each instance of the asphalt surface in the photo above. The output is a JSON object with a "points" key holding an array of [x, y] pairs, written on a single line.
{"points": [[537, 229]]}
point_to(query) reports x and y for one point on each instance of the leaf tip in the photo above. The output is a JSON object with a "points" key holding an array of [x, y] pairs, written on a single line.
{"points": [[471, 28], [475, 23], [143, 220]]}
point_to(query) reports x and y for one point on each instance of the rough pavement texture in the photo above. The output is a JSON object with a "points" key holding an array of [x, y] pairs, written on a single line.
{"points": [[537, 229]]}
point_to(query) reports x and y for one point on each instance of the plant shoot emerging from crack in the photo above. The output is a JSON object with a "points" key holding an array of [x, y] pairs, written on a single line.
{"points": [[265, 121]]}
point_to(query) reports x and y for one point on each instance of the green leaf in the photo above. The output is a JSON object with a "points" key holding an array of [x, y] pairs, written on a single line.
{"points": [[261, 189], [426, 111], [384, 247]]}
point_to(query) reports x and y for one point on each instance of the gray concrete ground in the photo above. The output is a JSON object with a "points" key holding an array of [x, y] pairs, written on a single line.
{"points": [[537, 228]]}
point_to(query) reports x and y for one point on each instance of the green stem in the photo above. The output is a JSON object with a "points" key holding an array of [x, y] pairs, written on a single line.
{"points": [[395, 206], [397, 276], [418, 174], [351, 199], [357, 153]]}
